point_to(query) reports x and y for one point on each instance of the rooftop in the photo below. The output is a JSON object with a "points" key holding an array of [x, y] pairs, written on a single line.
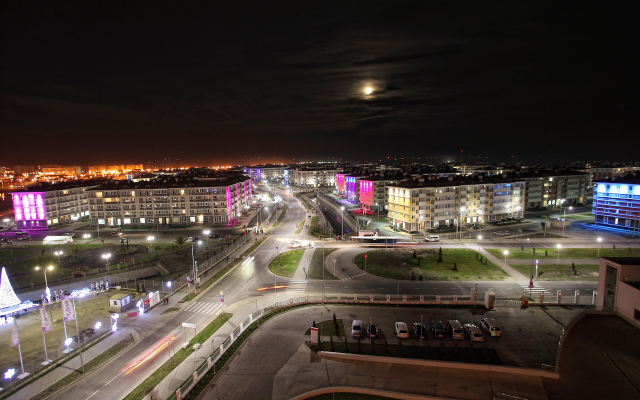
{"points": [[430, 181], [624, 260]]}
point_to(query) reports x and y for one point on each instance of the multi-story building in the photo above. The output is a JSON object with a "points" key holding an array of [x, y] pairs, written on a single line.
{"points": [[308, 177], [340, 187], [373, 192], [46, 204], [268, 173], [549, 189], [616, 203], [428, 202], [607, 172], [171, 201]]}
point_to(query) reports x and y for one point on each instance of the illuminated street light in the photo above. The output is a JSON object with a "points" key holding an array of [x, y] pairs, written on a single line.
{"points": [[98, 325], [58, 253], [558, 263], [505, 258]]}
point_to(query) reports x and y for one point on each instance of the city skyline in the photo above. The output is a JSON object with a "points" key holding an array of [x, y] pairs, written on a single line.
{"points": [[517, 82]]}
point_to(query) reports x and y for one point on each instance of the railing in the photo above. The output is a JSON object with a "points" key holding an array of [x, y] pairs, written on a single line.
{"points": [[504, 396]]}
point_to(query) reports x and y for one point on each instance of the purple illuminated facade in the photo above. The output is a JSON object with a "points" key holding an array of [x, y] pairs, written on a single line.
{"points": [[351, 188], [29, 210]]}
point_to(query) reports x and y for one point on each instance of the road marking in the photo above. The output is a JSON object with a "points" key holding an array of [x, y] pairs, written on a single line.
{"points": [[92, 394], [114, 377], [454, 288], [345, 287]]}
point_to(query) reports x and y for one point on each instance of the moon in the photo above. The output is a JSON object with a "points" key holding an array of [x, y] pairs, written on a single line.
{"points": [[368, 90]]}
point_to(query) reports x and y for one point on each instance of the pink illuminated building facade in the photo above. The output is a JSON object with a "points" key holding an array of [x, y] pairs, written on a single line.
{"points": [[29, 210], [340, 183]]}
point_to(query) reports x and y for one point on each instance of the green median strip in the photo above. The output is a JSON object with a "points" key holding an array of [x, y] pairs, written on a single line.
{"points": [[300, 226], [285, 264], [88, 367], [158, 375], [222, 272], [281, 215]]}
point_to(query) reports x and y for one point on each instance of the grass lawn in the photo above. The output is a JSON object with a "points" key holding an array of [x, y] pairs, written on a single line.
{"points": [[515, 252], [477, 353], [285, 264], [536, 236], [329, 328], [381, 219], [562, 272], [88, 367], [158, 375], [315, 267], [399, 263], [170, 310], [580, 216], [281, 214], [300, 226]]}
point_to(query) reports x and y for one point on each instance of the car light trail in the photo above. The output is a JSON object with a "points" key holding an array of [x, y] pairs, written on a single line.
{"points": [[273, 287], [149, 353]]}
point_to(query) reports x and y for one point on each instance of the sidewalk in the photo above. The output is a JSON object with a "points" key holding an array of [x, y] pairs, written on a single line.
{"points": [[550, 261], [305, 261], [519, 277], [42, 383]]}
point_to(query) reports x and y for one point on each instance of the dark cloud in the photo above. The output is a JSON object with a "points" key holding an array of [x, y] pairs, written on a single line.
{"points": [[213, 82]]}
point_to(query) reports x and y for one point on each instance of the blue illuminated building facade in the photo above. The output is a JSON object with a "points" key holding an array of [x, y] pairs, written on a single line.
{"points": [[616, 203]]}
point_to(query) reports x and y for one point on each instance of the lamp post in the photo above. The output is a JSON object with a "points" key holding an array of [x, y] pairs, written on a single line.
{"points": [[505, 258], [378, 207], [150, 239], [106, 257], [599, 240], [558, 263], [58, 253], [342, 208], [564, 219], [86, 237], [46, 284]]}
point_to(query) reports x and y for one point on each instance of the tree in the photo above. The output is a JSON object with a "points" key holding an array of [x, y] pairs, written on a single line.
{"points": [[546, 253], [440, 255], [544, 227], [180, 241], [414, 254], [455, 266], [75, 250], [156, 248]]}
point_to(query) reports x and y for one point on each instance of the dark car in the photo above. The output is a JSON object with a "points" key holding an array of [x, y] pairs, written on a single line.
{"points": [[372, 330], [437, 328], [213, 236], [420, 331], [116, 233]]}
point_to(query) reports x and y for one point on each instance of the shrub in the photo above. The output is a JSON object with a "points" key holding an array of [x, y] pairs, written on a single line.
{"points": [[546, 253], [455, 266], [521, 248], [331, 343], [414, 254], [614, 246], [534, 250]]}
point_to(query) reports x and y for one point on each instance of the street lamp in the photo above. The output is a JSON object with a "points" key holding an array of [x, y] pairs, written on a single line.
{"points": [[479, 236], [564, 219], [378, 207], [599, 240], [505, 258], [58, 253], [86, 237], [106, 257], [47, 291], [150, 239], [342, 208], [558, 263]]}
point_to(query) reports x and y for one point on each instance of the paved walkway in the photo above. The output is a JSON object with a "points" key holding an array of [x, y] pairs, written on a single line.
{"points": [[303, 266], [515, 274]]}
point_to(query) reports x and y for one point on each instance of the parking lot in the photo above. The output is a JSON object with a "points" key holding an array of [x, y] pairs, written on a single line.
{"points": [[528, 338]]}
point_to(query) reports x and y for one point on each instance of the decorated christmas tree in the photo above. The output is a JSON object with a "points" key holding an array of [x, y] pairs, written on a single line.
{"points": [[8, 297]]}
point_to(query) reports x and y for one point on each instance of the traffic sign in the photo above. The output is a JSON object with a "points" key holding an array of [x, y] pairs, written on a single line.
{"points": [[365, 256], [221, 298]]}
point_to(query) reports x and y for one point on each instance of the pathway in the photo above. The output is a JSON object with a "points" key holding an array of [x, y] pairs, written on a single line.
{"points": [[518, 276]]}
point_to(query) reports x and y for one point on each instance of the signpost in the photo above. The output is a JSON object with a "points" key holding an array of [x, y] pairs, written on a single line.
{"points": [[365, 262], [188, 325], [314, 335], [221, 297]]}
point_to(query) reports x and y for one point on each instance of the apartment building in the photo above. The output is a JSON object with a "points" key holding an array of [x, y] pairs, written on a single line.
{"points": [[373, 193], [46, 204], [549, 189], [171, 201], [608, 172], [616, 203], [268, 173], [307, 177], [430, 202]]}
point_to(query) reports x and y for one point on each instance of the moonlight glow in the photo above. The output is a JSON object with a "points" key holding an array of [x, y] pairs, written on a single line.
{"points": [[368, 90]]}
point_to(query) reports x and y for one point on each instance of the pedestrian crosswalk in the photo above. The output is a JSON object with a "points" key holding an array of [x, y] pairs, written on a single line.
{"points": [[280, 235], [204, 307], [296, 287], [536, 289]]}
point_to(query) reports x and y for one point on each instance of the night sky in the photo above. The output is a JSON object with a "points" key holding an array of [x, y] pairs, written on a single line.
{"points": [[228, 82]]}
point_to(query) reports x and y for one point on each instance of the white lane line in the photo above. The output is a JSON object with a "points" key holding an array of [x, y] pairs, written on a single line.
{"points": [[92, 394], [115, 377], [327, 287]]}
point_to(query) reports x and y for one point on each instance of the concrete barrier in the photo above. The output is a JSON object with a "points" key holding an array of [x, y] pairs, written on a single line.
{"points": [[442, 364]]}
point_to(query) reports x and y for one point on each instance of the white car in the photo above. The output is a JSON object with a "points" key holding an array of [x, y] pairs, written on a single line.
{"points": [[474, 333], [356, 328], [401, 330], [189, 239], [69, 234]]}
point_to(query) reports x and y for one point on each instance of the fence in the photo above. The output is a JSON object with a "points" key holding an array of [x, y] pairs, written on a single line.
{"points": [[189, 384], [540, 299]]}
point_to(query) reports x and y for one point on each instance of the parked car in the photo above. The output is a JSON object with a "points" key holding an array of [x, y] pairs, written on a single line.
{"points": [[419, 330], [372, 330], [437, 329], [473, 332], [189, 239], [490, 326], [69, 234], [114, 233], [197, 239], [21, 233], [356, 328], [455, 329], [213, 236], [432, 238], [401, 330], [24, 237]]}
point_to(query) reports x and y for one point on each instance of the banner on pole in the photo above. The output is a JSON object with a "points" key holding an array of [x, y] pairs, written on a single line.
{"points": [[44, 320], [15, 340], [314, 335], [68, 312]]}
